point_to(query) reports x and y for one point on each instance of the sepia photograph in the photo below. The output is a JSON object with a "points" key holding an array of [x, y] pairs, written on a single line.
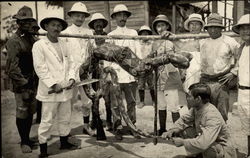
{"points": [[125, 79]]}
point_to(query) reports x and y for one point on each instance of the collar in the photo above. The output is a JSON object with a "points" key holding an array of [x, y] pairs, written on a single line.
{"points": [[73, 26], [121, 28]]}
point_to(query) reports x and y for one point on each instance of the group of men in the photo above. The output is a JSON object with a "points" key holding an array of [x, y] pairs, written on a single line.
{"points": [[57, 63]]}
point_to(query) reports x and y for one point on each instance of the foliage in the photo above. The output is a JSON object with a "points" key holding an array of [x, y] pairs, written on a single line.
{"points": [[54, 3]]}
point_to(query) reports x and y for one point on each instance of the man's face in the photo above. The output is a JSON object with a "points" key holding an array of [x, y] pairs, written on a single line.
{"points": [[77, 18], [191, 101], [25, 25], [214, 31], [98, 25], [121, 18], [244, 31], [161, 27], [195, 27], [54, 27], [144, 33]]}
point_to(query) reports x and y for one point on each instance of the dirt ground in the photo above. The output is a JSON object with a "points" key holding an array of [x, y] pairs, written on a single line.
{"points": [[90, 148]]}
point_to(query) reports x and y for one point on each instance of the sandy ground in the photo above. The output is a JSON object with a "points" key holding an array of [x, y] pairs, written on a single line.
{"points": [[90, 148]]}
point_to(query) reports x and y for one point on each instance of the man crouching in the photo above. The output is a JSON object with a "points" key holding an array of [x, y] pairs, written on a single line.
{"points": [[203, 127], [54, 67]]}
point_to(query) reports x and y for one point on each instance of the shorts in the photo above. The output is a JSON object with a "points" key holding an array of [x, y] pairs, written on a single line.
{"points": [[172, 100]]}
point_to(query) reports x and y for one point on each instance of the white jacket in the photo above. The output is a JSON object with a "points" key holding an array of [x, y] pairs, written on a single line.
{"points": [[79, 47], [51, 70]]}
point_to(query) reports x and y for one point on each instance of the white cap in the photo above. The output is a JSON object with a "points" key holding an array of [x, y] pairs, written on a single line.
{"points": [[98, 16]]}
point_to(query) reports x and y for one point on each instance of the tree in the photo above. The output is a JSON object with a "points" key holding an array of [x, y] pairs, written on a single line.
{"points": [[54, 3]]}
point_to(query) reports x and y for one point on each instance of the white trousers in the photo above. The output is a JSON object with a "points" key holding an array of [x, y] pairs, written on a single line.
{"points": [[49, 111], [244, 109]]}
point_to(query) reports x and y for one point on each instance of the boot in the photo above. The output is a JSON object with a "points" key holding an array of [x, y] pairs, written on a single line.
{"points": [[23, 132], [109, 126], [142, 97], [66, 145], [162, 119], [152, 93], [43, 151], [175, 116]]}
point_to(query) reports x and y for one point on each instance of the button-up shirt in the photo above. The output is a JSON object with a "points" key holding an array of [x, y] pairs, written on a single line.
{"points": [[123, 76], [218, 55], [209, 126], [244, 67], [79, 47], [19, 64]]}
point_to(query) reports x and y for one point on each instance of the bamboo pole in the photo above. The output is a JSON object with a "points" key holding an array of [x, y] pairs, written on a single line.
{"points": [[150, 37]]}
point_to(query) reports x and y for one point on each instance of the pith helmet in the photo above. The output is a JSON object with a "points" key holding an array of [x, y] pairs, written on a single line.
{"points": [[120, 8], [79, 7], [97, 16], [214, 19], [193, 17], [145, 28], [163, 18], [53, 17], [244, 20]]}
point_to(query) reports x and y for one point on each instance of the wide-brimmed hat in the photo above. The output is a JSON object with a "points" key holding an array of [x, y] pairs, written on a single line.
{"points": [[120, 8], [244, 20], [79, 7], [24, 13], [53, 17], [97, 16], [144, 28], [163, 18], [214, 19], [193, 17]]}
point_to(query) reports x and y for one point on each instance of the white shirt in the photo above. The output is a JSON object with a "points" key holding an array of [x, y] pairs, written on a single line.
{"points": [[244, 67], [79, 47], [218, 55], [145, 48], [123, 76]]}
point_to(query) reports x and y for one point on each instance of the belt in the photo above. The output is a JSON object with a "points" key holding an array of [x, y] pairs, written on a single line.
{"points": [[244, 87]]}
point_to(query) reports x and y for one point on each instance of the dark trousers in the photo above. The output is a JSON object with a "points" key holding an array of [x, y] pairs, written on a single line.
{"points": [[129, 90]]}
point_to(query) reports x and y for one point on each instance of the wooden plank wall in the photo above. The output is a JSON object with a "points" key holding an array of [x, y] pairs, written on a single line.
{"points": [[135, 21]]}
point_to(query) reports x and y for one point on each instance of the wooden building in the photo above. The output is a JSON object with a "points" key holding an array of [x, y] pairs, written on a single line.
{"points": [[143, 12]]}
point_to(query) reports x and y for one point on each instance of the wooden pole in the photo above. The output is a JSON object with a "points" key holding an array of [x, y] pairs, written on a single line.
{"points": [[36, 11], [107, 10], [174, 17], [225, 14], [214, 6], [151, 37]]}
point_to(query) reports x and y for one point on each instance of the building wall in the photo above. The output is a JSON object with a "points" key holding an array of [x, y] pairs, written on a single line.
{"points": [[137, 19]]}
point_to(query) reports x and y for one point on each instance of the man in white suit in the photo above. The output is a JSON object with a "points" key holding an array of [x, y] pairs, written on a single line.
{"points": [[55, 70], [79, 50]]}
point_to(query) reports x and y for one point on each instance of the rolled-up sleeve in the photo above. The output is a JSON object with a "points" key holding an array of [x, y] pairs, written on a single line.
{"points": [[40, 65], [185, 120], [208, 136], [12, 65]]}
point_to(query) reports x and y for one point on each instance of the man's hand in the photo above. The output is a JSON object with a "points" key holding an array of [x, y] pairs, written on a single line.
{"points": [[169, 134], [166, 34], [178, 141], [57, 88], [71, 84], [226, 78]]}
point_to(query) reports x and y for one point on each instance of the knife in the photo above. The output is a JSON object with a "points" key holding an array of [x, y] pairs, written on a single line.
{"points": [[81, 83]]}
